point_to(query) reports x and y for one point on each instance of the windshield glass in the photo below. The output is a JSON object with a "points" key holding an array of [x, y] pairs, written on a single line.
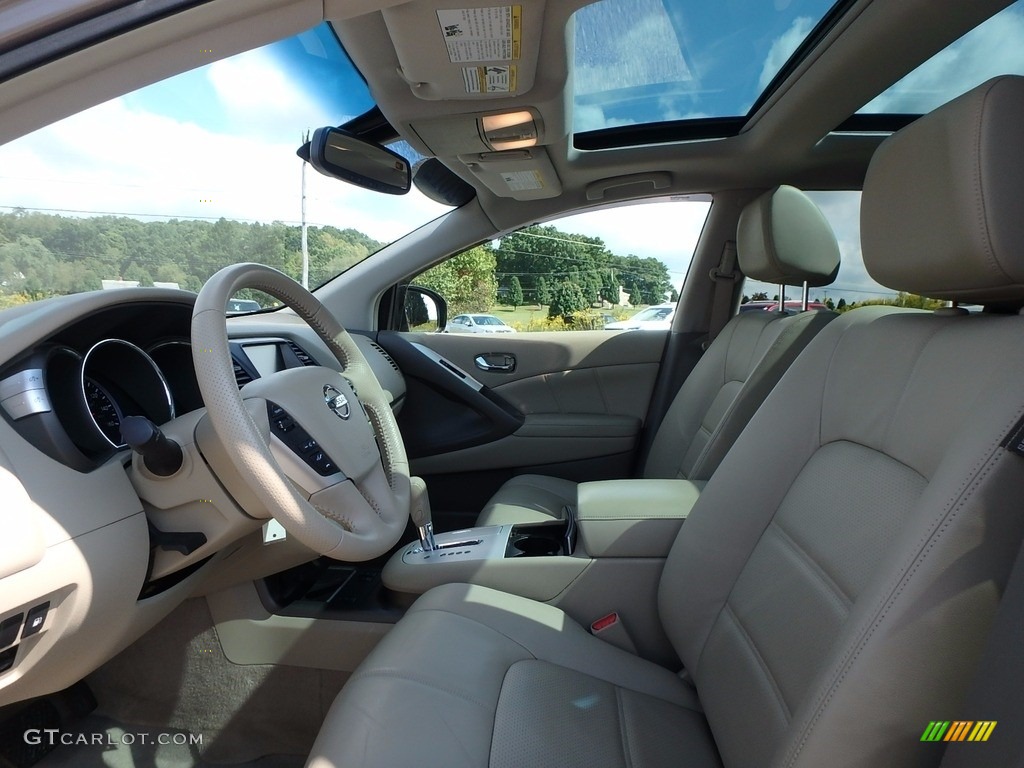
{"points": [[166, 185], [486, 320]]}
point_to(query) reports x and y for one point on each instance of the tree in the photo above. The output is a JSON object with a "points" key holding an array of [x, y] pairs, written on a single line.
{"points": [[759, 296], [466, 280], [416, 309], [830, 304], [635, 296], [515, 292], [543, 292], [673, 295], [567, 300], [841, 305], [610, 287]]}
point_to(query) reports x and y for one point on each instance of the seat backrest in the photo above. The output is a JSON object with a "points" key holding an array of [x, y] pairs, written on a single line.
{"points": [[782, 238], [832, 588]]}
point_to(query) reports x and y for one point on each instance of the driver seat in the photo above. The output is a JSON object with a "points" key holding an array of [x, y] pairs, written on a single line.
{"points": [[831, 590]]}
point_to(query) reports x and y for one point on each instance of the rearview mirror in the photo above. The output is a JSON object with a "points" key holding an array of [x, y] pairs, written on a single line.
{"points": [[340, 155]]}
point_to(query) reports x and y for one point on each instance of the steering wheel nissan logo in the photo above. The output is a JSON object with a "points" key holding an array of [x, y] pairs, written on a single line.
{"points": [[337, 402]]}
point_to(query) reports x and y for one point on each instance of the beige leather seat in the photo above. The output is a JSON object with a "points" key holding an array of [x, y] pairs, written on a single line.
{"points": [[830, 593], [782, 237]]}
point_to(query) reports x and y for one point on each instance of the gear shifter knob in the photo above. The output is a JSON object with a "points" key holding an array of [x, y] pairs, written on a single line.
{"points": [[419, 512]]}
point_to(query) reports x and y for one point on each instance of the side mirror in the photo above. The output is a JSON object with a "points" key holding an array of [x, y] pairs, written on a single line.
{"points": [[425, 310], [340, 155]]}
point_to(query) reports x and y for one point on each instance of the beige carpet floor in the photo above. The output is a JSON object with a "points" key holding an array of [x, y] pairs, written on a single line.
{"points": [[176, 679]]}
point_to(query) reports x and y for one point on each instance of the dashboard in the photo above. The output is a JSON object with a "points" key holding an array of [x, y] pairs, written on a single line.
{"points": [[69, 394], [90, 540]]}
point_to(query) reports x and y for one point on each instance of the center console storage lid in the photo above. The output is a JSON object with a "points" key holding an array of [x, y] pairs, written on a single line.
{"points": [[633, 518]]}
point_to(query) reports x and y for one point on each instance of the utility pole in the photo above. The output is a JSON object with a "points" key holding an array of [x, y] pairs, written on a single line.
{"points": [[305, 241]]}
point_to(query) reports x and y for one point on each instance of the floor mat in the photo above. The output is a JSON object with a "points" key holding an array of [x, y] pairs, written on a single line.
{"points": [[99, 742], [177, 679]]}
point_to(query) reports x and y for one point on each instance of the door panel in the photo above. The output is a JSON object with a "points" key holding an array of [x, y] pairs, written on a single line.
{"points": [[572, 404]]}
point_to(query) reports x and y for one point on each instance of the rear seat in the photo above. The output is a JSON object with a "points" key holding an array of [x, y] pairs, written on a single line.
{"points": [[782, 238]]}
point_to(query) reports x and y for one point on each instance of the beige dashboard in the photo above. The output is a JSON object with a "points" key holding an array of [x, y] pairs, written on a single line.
{"points": [[83, 570]]}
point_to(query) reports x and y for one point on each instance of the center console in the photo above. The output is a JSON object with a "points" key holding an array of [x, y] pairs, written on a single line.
{"points": [[604, 555]]}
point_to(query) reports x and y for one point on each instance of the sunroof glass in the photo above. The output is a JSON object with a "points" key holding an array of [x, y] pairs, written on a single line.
{"points": [[646, 61], [995, 47]]}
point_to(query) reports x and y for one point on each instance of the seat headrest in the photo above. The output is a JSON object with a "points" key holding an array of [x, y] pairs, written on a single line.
{"points": [[783, 237], [941, 209]]}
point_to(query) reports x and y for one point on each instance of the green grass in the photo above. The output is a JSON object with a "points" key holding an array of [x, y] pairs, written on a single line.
{"points": [[523, 314]]}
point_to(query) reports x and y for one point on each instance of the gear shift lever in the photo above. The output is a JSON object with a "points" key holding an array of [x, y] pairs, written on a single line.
{"points": [[419, 511]]}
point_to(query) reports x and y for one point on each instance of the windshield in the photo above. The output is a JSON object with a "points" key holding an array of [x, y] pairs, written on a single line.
{"points": [[486, 320], [166, 185]]}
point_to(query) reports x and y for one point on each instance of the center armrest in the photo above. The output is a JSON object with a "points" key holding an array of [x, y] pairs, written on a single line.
{"points": [[633, 518]]}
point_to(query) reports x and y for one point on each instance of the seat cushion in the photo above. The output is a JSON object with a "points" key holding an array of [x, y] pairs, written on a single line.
{"points": [[529, 499], [476, 677]]}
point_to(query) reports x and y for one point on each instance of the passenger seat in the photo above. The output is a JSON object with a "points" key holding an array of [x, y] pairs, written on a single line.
{"points": [[782, 238]]}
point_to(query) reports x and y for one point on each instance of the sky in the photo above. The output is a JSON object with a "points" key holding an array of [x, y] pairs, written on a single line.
{"points": [[220, 141], [641, 61]]}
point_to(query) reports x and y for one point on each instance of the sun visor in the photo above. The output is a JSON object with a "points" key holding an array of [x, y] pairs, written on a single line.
{"points": [[467, 50], [522, 174]]}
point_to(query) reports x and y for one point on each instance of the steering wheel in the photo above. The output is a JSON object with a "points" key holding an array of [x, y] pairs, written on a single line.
{"points": [[319, 449]]}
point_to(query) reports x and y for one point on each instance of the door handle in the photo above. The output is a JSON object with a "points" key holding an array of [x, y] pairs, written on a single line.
{"points": [[496, 362]]}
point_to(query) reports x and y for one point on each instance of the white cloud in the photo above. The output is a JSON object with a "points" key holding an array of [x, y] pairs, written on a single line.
{"points": [[246, 84], [622, 56], [590, 117], [783, 47], [114, 159]]}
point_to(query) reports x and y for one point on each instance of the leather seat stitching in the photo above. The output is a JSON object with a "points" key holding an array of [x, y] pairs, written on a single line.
{"points": [[814, 567], [963, 495], [762, 663], [396, 674]]}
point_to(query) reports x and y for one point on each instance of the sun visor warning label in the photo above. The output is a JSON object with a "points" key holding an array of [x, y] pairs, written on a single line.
{"points": [[490, 79], [523, 181], [482, 34]]}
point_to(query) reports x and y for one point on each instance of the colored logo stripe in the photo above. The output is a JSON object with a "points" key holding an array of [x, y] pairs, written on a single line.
{"points": [[958, 730], [982, 730]]}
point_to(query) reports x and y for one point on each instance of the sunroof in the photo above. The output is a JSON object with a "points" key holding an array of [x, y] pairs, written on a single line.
{"points": [[643, 62], [995, 47]]}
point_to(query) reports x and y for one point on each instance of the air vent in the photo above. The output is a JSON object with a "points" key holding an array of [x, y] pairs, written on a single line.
{"points": [[303, 356], [384, 354], [242, 376]]}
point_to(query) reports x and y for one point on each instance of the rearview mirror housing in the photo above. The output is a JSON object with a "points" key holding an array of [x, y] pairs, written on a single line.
{"points": [[339, 154]]}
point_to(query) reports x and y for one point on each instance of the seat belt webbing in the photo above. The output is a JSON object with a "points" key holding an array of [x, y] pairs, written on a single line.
{"points": [[724, 277]]}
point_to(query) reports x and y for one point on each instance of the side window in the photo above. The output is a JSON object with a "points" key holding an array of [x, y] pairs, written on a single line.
{"points": [[853, 285], [606, 269]]}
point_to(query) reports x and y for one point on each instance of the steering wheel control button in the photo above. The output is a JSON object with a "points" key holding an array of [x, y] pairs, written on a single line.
{"points": [[35, 619], [300, 441], [9, 629]]}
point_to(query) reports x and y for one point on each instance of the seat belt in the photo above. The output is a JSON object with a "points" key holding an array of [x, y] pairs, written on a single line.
{"points": [[996, 694], [724, 277]]}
